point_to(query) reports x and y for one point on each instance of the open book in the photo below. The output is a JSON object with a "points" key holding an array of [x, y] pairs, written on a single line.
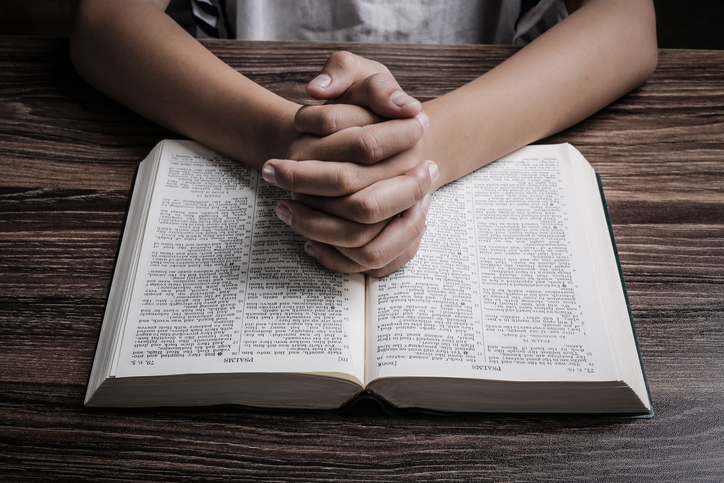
{"points": [[514, 302]]}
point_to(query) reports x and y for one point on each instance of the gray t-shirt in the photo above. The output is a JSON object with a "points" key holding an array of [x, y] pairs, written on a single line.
{"points": [[514, 22]]}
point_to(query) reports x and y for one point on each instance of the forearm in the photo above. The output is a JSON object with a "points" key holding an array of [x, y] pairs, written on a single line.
{"points": [[599, 53], [132, 51]]}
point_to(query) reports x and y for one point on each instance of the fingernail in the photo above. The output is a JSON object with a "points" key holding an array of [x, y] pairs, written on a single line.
{"points": [[311, 251], [284, 213], [425, 203], [269, 174], [401, 99], [322, 80], [424, 120], [434, 171]]}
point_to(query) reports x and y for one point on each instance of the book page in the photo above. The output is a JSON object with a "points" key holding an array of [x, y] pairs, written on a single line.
{"points": [[498, 289], [224, 286]]}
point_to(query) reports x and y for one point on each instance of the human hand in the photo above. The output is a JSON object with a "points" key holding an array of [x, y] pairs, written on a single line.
{"points": [[367, 215], [351, 79], [367, 218], [358, 233], [359, 218], [348, 133], [368, 117]]}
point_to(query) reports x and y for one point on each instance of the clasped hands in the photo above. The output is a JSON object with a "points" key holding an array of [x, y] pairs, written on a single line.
{"points": [[360, 184]]}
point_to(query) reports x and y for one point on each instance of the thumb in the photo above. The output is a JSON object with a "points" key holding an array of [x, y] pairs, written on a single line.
{"points": [[342, 70], [351, 79]]}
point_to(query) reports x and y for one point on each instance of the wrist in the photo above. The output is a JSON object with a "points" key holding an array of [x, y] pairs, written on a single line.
{"points": [[268, 132], [279, 131], [462, 136], [435, 146]]}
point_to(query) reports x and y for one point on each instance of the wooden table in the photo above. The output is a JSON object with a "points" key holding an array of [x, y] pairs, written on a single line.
{"points": [[67, 157]]}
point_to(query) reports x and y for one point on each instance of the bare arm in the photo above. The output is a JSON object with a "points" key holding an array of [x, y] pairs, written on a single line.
{"points": [[135, 53], [132, 51], [604, 49]]}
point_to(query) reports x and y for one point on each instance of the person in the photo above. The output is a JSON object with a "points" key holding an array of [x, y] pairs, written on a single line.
{"points": [[361, 167]]}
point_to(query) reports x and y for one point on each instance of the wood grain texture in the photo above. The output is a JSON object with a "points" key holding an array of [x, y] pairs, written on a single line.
{"points": [[68, 156]]}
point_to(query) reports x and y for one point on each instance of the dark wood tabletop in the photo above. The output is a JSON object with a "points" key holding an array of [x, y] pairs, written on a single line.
{"points": [[67, 159]]}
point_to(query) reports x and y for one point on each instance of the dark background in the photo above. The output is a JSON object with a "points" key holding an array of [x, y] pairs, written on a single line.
{"points": [[682, 24]]}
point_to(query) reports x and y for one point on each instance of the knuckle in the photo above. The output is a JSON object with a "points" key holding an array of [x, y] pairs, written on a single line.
{"points": [[419, 184], [359, 237], [343, 59], [318, 120], [369, 148], [328, 122], [347, 179], [372, 257], [379, 81], [367, 210]]}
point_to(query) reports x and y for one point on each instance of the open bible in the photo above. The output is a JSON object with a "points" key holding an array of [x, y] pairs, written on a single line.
{"points": [[514, 303]]}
